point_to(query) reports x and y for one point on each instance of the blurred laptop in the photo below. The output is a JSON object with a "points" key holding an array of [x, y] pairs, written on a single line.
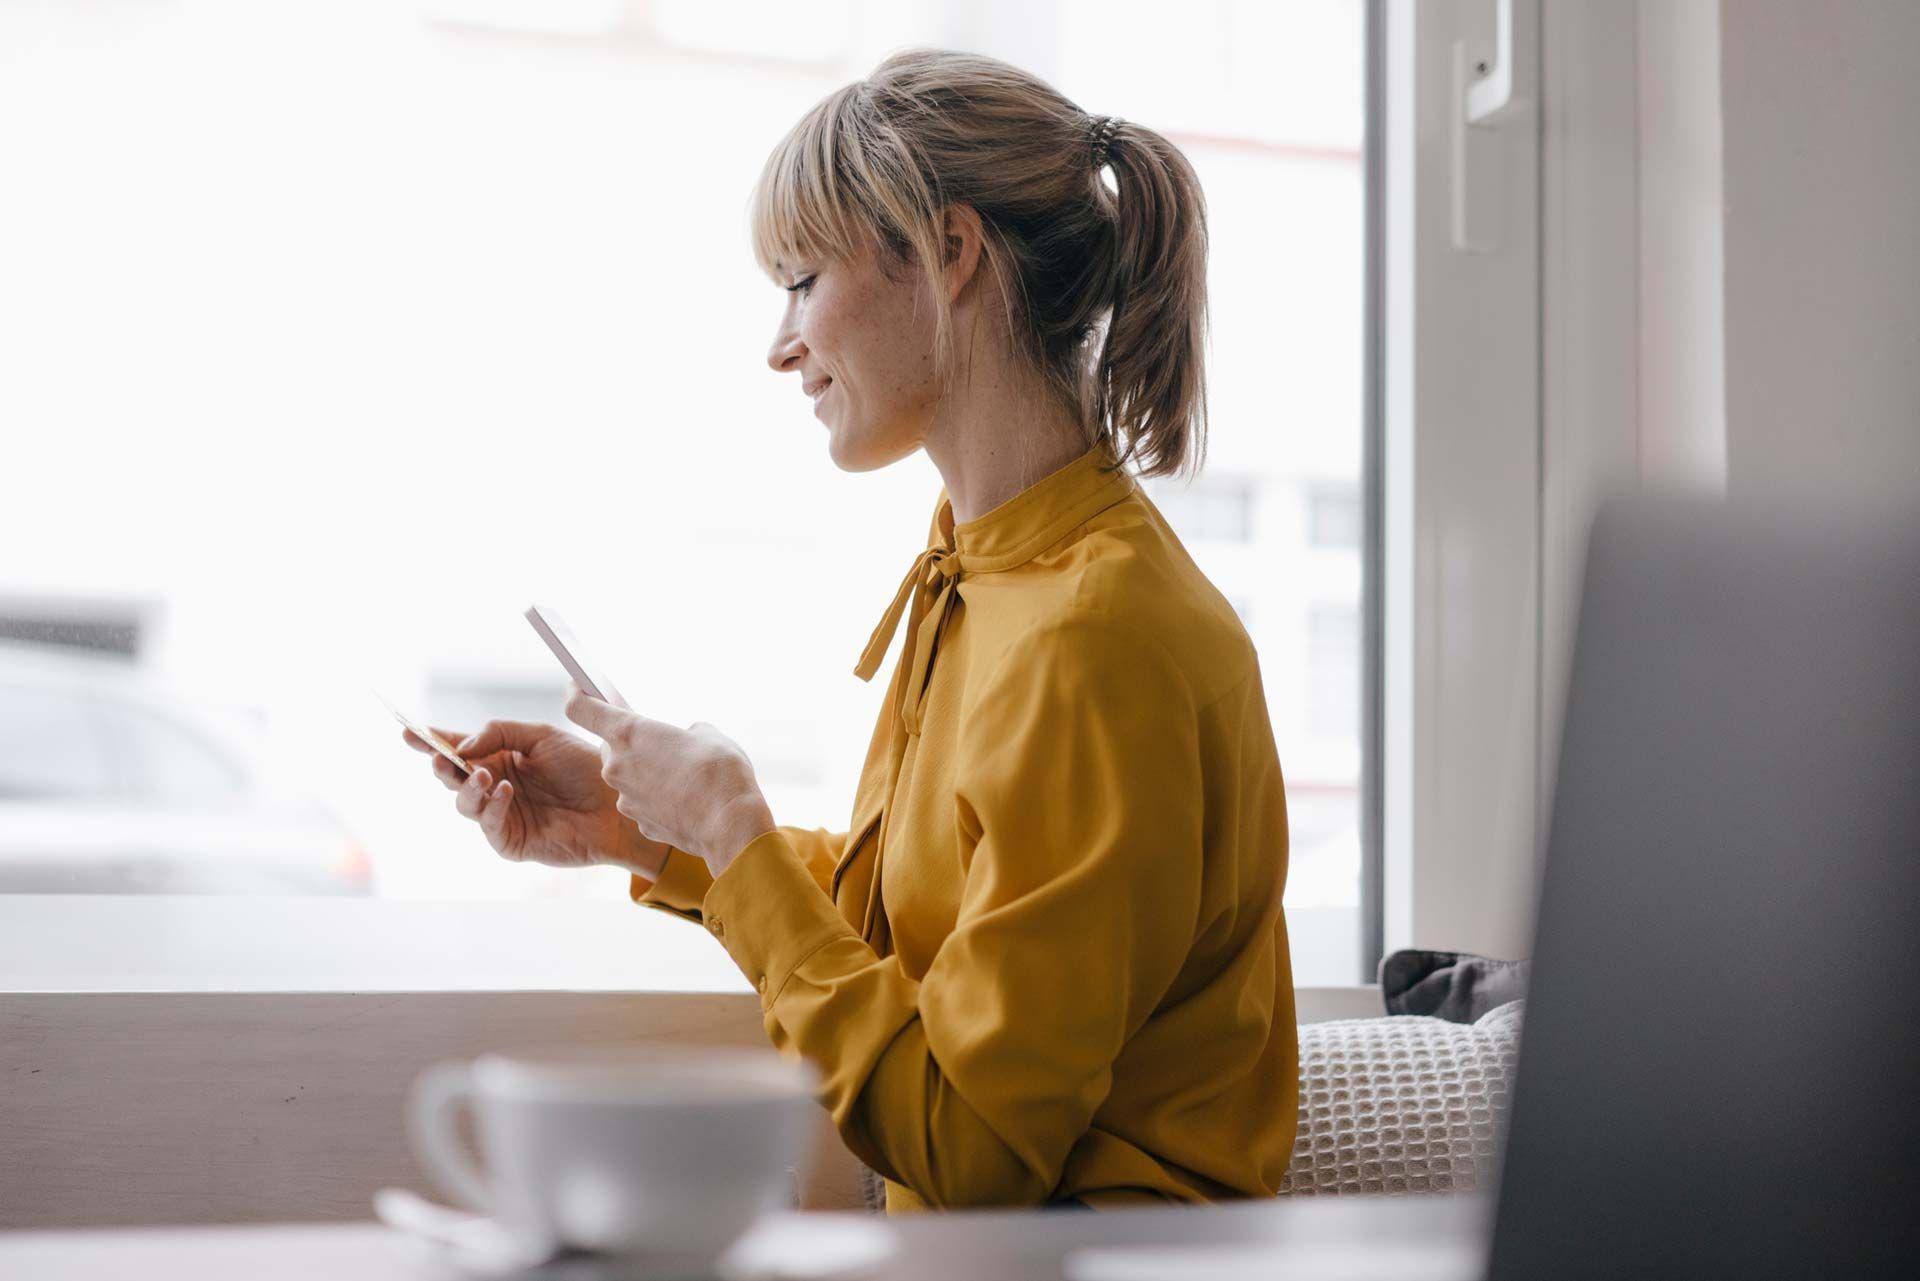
{"points": [[1720, 1073]]}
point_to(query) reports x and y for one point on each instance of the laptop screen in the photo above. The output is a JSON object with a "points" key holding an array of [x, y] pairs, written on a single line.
{"points": [[1719, 1074]]}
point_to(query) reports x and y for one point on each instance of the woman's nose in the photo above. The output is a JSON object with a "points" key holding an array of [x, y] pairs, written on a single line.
{"points": [[787, 350]]}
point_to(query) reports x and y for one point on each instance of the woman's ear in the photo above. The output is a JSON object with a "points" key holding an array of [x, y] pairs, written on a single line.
{"points": [[960, 244]]}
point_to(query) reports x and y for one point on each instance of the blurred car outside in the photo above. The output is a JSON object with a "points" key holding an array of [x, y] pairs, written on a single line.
{"points": [[110, 783]]}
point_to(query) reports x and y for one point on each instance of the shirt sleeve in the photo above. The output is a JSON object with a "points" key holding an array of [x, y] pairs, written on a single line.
{"points": [[684, 880], [1080, 787]]}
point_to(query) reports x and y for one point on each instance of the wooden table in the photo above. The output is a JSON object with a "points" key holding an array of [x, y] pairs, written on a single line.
{"points": [[1343, 1239]]}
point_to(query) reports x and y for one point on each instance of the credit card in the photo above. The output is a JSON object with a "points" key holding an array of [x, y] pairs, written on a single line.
{"points": [[425, 735]]}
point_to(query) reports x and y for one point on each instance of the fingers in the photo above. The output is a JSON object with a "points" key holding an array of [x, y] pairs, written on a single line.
{"points": [[614, 724], [493, 814], [471, 796], [448, 773], [485, 741], [590, 714], [480, 797]]}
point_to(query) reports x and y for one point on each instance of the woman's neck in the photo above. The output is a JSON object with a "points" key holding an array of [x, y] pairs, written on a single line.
{"points": [[999, 443]]}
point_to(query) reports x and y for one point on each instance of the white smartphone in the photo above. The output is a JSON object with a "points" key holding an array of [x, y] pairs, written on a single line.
{"points": [[587, 675], [425, 735]]}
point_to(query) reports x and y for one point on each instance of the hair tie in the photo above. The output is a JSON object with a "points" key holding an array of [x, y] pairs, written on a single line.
{"points": [[1101, 130]]}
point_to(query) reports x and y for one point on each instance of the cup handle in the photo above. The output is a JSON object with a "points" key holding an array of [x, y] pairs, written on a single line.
{"points": [[437, 1093]]}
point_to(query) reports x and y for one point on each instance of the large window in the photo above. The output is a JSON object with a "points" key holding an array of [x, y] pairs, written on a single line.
{"points": [[337, 333]]}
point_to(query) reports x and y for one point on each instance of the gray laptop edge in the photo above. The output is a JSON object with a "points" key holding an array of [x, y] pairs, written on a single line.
{"points": [[1719, 1074]]}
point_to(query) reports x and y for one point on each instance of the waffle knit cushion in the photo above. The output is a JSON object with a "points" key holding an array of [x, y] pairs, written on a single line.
{"points": [[1402, 1104]]}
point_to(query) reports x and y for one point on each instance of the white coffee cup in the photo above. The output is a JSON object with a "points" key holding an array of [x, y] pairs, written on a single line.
{"points": [[638, 1150]]}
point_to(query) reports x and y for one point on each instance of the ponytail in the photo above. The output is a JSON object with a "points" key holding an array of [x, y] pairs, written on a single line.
{"points": [[1150, 397]]}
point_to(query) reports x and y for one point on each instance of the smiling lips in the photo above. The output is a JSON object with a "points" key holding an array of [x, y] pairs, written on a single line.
{"points": [[814, 389]]}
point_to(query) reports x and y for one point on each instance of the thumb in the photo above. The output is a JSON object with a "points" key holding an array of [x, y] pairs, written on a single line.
{"points": [[502, 736], [481, 742]]}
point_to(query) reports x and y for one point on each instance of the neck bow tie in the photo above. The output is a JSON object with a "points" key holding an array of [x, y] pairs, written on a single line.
{"points": [[930, 587]]}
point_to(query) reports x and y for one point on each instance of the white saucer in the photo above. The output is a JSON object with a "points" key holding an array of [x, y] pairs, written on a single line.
{"points": [[810, 1247], [442, 1260], [782, 1247]]}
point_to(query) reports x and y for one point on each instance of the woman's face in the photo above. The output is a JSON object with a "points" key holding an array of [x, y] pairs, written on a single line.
{"points": [[862, 348]]}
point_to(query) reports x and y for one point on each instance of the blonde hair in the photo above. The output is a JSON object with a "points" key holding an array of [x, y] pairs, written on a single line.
{"points": [[1105, 289]]}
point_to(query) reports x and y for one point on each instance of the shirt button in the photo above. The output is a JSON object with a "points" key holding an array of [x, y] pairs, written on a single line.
{"points": [[719, 930], [763, 985]]}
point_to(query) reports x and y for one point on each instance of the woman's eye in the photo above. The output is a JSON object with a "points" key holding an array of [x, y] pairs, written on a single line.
{"points": [[802, 285]]}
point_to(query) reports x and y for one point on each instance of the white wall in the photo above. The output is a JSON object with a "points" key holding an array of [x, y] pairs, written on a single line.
{"points": [[1780, 246], [1821, 110], [1682, 403]]}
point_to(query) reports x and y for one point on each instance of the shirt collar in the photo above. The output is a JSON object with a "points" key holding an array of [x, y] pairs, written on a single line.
{"points": [[1035, 518]]}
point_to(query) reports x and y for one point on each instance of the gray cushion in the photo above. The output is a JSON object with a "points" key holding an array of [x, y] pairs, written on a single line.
{"points": [[1457, 986]]}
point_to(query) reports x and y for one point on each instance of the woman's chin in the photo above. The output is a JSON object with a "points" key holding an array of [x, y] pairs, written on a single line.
{"points": [[857, 454], [837, 449]]}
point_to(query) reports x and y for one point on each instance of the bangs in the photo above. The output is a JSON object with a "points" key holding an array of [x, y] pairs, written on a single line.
{"points": [[804, 207]]}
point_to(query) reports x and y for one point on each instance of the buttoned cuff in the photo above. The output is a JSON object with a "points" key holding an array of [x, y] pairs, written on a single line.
{"points": [[682, 885], [770, 914]]}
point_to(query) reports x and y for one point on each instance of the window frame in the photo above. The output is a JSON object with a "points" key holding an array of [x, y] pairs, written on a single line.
{"points": [[1460, 509], [1482, 541]]}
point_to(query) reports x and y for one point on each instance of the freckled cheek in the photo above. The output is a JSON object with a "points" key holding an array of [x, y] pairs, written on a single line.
{"points": [[831, 330], [856, 345]]}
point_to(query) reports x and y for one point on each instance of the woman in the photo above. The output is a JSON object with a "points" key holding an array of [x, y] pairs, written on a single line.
{"points": [[1046, 962]]}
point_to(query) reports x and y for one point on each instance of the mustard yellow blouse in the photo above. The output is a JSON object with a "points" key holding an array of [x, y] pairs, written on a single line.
{"points": [[1047, 960]]}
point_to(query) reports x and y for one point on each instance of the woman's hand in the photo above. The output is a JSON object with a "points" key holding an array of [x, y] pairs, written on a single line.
{"points": [[692, 788], [537, 794]]}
